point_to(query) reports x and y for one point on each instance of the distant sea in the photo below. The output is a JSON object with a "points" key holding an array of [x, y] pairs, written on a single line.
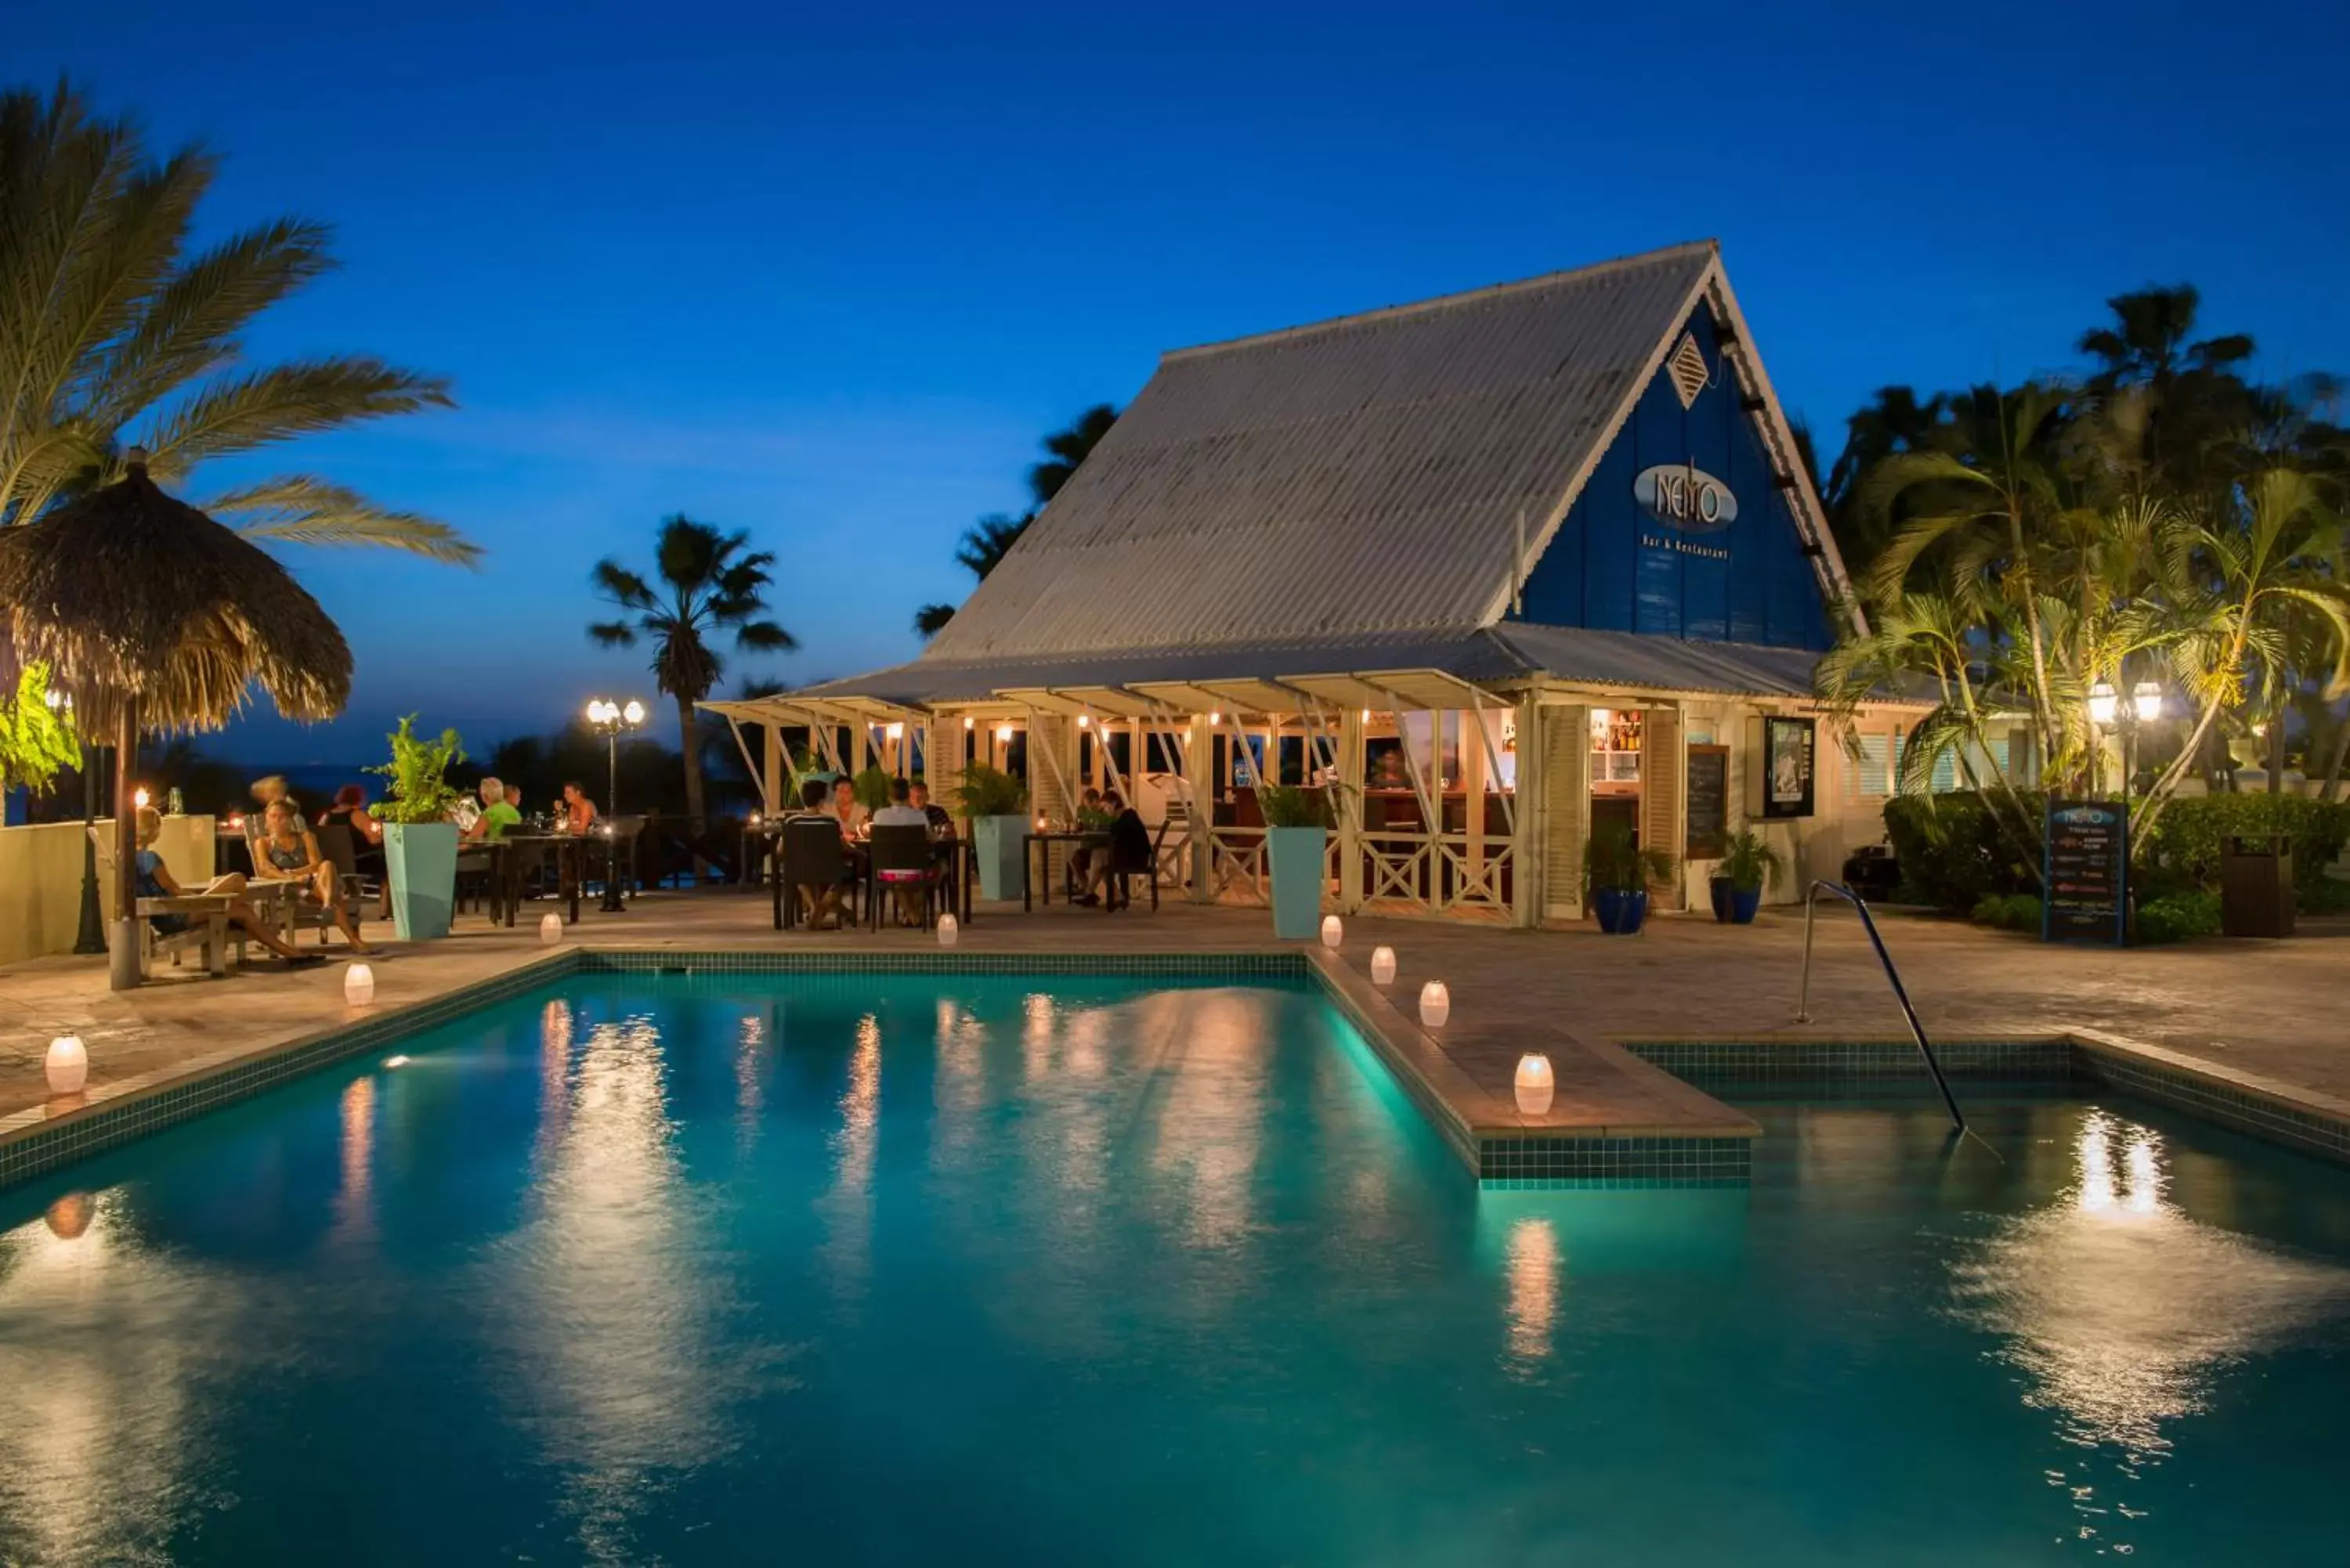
{"points": [[315, 783]]}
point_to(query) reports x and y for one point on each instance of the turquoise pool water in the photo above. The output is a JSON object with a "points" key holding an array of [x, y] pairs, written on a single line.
{"points": [[928, 1270]]}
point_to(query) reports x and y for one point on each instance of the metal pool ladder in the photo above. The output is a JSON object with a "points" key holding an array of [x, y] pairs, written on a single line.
{"points": [[1916, 1031]]}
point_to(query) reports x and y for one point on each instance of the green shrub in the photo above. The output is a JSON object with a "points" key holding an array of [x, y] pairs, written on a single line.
{"points": [[983, 791], [872, 786], [420, 789], [1952, 852], [1294, 806], [1953, 855], [2009, 912], [2182, 853], [2175, 917]]}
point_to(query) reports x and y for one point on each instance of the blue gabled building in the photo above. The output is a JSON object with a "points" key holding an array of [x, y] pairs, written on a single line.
{"points": [[1511, 563]]}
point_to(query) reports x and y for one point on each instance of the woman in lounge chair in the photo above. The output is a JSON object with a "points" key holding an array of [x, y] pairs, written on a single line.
{"points": [[155, 881], [291, 854]]}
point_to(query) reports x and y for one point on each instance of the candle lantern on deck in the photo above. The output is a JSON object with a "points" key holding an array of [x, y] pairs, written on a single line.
{"points": [[1435, 1005], [1535, 1084], [1383, 966]]}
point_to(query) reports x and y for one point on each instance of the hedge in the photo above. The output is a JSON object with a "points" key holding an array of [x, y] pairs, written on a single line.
{"points": [[1954, 856]]}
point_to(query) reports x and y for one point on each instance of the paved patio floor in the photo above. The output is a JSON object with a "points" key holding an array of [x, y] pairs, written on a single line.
{"points": [[2278, 1011]]}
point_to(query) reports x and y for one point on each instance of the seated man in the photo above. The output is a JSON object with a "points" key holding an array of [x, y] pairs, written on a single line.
{"points": [[154, 880], [1129, 848], [902, 812], [817, 900], [1082, 858], [579, 811], [942, 820]]}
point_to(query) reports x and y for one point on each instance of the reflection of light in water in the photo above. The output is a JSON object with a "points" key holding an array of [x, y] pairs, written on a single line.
{"points": [[851, 1201], [353, 1204], [750, 1052], [100, 1339], [1211, 1114], [610, 1307], [554, 1075], [958, 1086], [1534, 1289], [1086, 1036], [1036, 1040], [2120, 1309]]}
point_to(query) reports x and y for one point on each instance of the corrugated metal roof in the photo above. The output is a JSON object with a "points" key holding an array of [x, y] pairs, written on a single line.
{"points": [[1471, 656], [1363, 476], [1498, 656], [1645, 662]]}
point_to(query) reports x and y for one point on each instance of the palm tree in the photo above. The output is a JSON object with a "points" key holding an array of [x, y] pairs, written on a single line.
{"points": [[1068, 449], [709, 583], [986, 542], [115, 332]]}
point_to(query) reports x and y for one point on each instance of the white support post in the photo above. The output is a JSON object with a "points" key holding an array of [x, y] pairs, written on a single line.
{"points": [[1526, 822], [771, 773], [1347, 769], [1199, 753]]}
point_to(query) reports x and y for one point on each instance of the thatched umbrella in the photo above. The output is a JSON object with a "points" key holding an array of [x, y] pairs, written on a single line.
{"points": [[154, 617]]}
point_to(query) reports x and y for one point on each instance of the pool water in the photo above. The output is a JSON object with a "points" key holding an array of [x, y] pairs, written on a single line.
{"points": [[929, 1269]]}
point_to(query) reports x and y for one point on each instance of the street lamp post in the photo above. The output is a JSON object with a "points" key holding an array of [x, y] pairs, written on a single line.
{"points": [[609, 719]]}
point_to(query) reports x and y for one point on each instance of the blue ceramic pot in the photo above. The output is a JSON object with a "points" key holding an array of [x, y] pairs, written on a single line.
{"points": [[423, 859], [1733, 905], [1001, 846], [1621, 912], [1295, 855]]}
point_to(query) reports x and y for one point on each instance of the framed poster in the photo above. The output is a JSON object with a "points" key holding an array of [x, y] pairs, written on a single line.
{"points": [[1709, 803], [1784, 750], [2087, 872]]}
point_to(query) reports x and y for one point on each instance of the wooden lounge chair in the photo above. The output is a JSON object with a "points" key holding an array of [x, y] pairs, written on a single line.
{"points": [[207, 931]]}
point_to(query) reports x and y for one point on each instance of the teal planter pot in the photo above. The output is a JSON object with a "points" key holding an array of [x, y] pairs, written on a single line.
{"points": [[998, 842], [1295, 856], [423, 859]]}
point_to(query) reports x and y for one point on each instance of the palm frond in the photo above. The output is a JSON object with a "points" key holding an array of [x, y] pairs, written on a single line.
{"points": [[302, 508], [238, 413]]}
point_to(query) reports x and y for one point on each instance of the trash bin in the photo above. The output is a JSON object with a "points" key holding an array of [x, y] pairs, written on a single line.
{"points": [[2256, 887]]}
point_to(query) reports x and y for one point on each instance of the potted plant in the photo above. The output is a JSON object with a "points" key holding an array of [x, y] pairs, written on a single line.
{"points": [[1747, 865], [1296, 832], [420, 842], [1616, 876], [872, 786], [996, 807]]}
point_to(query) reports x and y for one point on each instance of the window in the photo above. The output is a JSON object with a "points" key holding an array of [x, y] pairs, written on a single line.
{"points": [[1872, 772]]}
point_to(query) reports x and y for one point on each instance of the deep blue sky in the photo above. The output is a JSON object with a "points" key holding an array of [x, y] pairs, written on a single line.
{"points": [[827, 273]]}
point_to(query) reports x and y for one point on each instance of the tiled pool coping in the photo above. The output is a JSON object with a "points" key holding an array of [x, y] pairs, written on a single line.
{"points": [[1702, 1144]]}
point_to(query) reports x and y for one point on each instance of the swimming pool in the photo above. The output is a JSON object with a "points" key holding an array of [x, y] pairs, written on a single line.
{"points": [[900, 1269]]}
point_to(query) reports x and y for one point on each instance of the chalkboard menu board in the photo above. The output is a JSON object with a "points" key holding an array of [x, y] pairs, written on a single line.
{"points": [[2087, 870], [1709, 803]]}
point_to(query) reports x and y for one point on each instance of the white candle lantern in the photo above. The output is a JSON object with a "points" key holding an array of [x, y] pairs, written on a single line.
{"points": [[1435, 1005], [550, 930], [1333, 933], [359, 985], [1383, 966], [949, 931], [66, 1066], [1535, 1085]]}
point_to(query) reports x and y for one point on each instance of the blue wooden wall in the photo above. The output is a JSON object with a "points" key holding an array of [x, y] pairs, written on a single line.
{"points": [[1613, 567]]}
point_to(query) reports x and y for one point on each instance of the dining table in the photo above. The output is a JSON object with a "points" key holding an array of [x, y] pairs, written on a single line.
{"points": [[1036, 850], [517, 847]]}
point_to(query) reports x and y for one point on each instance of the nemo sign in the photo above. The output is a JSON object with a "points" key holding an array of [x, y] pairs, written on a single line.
{"points": [[1686, 497]]}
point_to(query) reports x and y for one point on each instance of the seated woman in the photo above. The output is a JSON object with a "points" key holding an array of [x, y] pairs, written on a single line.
{"points": [[154, 880], [290, 853]]}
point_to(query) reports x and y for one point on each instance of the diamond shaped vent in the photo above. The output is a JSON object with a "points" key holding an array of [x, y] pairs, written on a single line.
{"points": [[1687, 367]]}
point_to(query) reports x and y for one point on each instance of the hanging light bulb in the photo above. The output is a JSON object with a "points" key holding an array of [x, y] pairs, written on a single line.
{"points": [[1004, 734], [1535, 1085], [968, 722], [359, 985], [66, 1066], [1383, 966], [1435, 1005]]}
